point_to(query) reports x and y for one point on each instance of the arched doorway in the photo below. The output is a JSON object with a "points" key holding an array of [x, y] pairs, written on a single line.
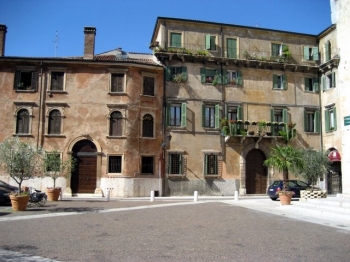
{"points": [[256, 172], [83, 178]]}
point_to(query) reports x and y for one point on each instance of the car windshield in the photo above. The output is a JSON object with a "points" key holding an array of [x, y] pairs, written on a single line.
{"points": [[2, 183], [302, 184]]}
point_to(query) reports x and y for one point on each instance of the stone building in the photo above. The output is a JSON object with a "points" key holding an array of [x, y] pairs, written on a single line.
{"points": [[105, 110], [261, 81]]}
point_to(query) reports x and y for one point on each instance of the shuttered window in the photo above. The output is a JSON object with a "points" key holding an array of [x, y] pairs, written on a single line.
{"points": [[147, 126], [176, 115], [22, 125], [210, 42], [280, 82], [148, 86], [175, 162], [210, 115], [311, 84], [25, 80], [175, 39], [312, 121], [231, 48], [116, 124], [330, 119], [210, 164], [54, 127], [172, 73], [57, 81], [117, 83]]}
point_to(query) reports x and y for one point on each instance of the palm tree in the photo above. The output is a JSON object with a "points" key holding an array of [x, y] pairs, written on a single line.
{"points": [[285, 159]]}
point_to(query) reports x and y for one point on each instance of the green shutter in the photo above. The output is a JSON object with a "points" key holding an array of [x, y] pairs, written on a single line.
{"points": [[326, 117], [335, 118], [167, 115], [317, 121], [307, 87], [285, 115], [184, 72], [203, 74], [168, 73], [275, 82], [203, 115], [207, 42], [285, 82], [34, 80], [17, 79], [306, 52], [272, 117], [315, 83], [315, 53], [183, 115], [225, 77], [226, 112], [217, 116], [180, 164], [217, 76], [305, 121], [169, 164], [239, 113], [327, 53], [239, 78], [333, 79], [323, 81], [231, 48]]}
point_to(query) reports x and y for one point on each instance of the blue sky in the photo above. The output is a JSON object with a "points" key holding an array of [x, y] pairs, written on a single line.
{"points": [[32, 24]]}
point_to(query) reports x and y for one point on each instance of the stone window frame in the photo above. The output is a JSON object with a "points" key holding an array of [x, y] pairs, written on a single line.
{"points": [[26, 106], [17, 78], [151, 75], [108, 167], [59, 70], [60, 106], [117, 71], [123, 110]]}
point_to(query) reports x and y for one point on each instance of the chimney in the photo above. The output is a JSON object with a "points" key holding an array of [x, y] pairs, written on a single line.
{"points": [[3, 30], [89, 42]]}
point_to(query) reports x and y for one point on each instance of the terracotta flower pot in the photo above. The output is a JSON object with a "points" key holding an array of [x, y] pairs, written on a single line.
{"points": [[19, 203], [53, 194], [285, 199]]}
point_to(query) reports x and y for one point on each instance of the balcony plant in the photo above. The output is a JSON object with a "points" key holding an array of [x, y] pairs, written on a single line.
{"points": [[179, 78], [54, 167], [285, 158], [21, 161]]}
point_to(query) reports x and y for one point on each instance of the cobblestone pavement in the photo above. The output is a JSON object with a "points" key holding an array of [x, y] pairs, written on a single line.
{"points": [[176, 230]]}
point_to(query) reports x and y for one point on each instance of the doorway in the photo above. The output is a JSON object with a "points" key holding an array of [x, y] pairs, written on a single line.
{"points": [[83, 178], [256, 172]]}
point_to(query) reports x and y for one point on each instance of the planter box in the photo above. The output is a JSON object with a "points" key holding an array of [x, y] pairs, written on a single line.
{"points": [[305, 194]]}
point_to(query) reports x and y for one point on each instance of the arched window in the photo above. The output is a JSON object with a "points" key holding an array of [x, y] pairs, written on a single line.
{"points": [[116, 124], [147, 126], [54, 127], [22, 125]]}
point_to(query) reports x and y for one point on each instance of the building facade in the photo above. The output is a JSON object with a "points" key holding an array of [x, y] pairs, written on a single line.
{"points": [[105, 110], [256, 81]]}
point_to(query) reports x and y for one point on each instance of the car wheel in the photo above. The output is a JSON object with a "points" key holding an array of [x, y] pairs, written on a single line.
{"points": [[273, 198]]}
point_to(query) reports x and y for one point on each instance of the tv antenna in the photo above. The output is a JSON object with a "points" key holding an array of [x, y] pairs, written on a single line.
{"points": [[56, 42]]}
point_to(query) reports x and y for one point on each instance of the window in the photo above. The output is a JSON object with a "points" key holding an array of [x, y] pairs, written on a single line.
{"points": [[57, 81], [175, 166], [311, 53], [147, 126], [210, 116], [176, 73], [116, 124], [233, 77], [175, 39], [312, 121], [231, 48], [54, 126], [176, 115], [25, 80], [327, 51], [208, 75], [311, 84], [117, 83], [210, 42], [147, 165], [115, 164], [278, 115], [210, 164], [280, 82], [328, 81], [276, 50], [234, 112], [148, 86], [330, 119], [22, 123]]}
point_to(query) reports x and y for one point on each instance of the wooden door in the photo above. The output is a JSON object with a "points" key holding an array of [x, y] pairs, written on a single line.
{"points": [[84, 176], [256, 172]]}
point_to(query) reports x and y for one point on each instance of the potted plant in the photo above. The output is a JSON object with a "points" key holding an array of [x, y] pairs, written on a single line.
{"points": [[285, 158], [54, 167], [21, 161]]}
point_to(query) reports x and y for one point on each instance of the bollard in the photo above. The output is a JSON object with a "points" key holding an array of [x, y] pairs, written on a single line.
{"points": [[236, 195], [195, 196], [61, 195], [152, 196], [108, 195]]}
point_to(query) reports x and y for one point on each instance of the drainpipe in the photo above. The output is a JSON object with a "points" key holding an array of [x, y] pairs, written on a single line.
{"points": [[223, 95], [40, 136]]}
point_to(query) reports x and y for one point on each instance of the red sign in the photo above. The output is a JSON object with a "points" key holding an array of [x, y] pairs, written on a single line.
{"points": [[334, 156]]}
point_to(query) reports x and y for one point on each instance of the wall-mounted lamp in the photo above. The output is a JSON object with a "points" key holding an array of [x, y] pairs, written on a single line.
{"points": [[168, 138]]}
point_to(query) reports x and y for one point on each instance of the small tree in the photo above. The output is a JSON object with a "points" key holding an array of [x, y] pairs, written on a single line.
{"points": [[315, 165], [54, 167], [20, 160], [285, 158]]}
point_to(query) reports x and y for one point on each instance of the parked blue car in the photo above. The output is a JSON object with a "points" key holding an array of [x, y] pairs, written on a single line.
{"points": [[293, 185], [5, 189]]}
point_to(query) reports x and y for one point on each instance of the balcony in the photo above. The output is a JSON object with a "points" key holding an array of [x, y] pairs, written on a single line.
{"points": [[330, 60], [253, 58]]}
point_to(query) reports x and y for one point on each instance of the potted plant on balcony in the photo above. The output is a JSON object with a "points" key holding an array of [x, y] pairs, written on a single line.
{"points": [[285, 159], [54, 167], [21, 161]]}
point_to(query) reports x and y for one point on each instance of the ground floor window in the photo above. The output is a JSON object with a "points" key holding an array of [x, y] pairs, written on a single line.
{"points": [[147, 165]]}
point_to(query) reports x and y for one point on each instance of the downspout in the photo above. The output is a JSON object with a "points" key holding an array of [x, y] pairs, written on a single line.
{"points": [[40, 136], [223, 95]]}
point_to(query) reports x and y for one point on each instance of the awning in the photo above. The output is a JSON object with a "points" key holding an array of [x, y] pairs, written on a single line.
{"points": [[334, 156]]}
